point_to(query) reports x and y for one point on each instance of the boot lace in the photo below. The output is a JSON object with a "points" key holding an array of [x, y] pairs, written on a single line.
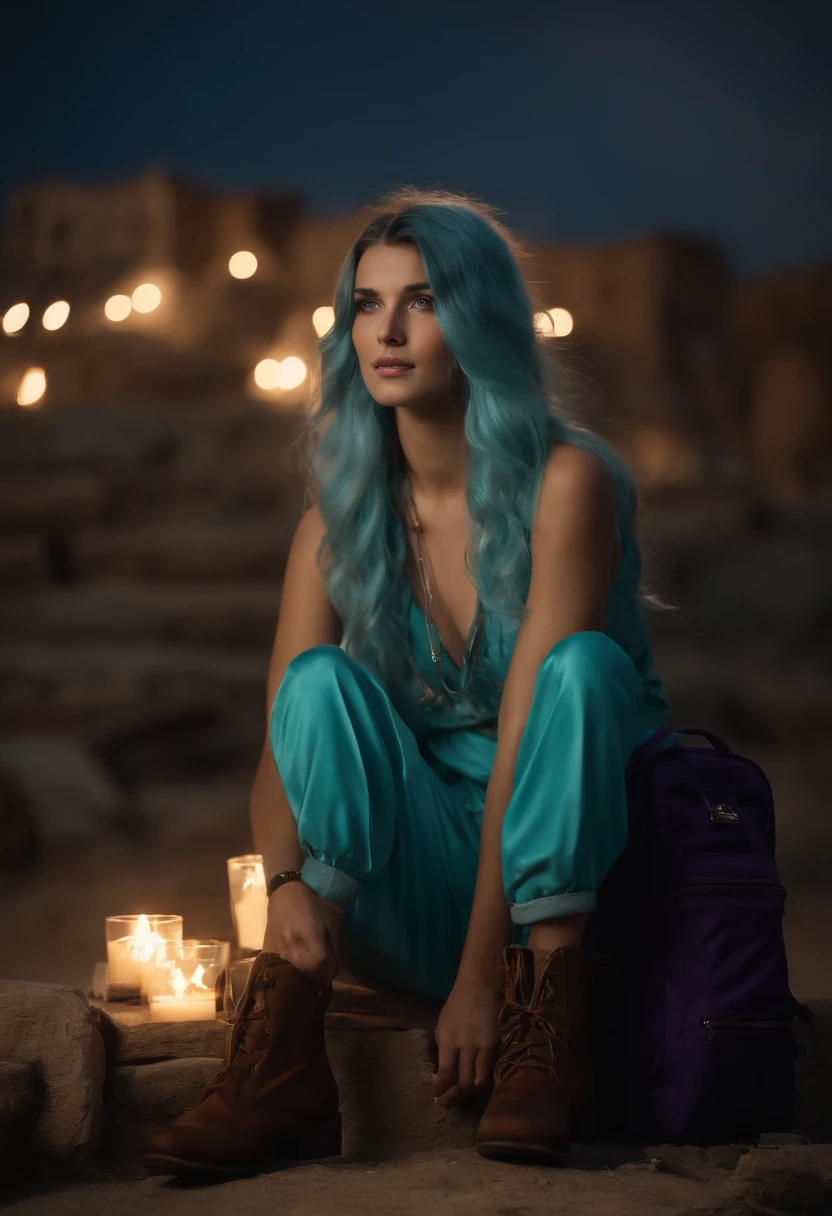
{"points": [[529, 1040], [246, 1038]]}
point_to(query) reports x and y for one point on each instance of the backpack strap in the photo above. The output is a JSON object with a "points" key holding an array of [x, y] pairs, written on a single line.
{"points": [[653, 744]]}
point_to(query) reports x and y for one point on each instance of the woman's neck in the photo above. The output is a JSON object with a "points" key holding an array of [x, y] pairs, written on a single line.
{"points": [[434, 456]]}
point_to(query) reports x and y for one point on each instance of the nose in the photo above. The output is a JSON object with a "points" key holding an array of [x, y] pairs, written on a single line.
{"points": [[391, 330]]}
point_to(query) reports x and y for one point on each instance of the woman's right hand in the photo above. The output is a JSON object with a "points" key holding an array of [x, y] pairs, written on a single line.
{"points": [[305, 931]]}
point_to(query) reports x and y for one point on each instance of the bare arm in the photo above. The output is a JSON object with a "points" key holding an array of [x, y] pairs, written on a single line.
{"points": [[575, 550], [306, 618]]}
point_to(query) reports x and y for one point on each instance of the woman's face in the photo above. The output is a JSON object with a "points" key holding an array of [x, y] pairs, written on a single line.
{"points": [[395, 319]]}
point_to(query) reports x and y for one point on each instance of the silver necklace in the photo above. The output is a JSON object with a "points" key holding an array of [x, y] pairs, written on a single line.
{"points": [[436, 656]]}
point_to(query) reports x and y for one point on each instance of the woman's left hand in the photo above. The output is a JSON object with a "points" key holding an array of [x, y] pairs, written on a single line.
{"points": [[467, 1039]]}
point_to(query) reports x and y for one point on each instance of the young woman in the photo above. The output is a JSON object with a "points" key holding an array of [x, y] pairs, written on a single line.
{"points": [[460, 674]]}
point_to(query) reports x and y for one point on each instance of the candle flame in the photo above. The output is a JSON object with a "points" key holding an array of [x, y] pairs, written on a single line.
{"points": [[144, 941], [181, 985]]}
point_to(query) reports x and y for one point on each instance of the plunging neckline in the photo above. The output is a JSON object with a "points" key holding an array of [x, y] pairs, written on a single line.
{"points": [[466, 656], [465, 651]]}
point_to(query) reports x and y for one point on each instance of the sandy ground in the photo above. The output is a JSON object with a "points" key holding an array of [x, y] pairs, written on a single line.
{"points": [[688, 1181]]}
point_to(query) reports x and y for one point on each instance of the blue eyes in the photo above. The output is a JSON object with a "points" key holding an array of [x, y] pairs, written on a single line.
{"points": [[360, 303]]}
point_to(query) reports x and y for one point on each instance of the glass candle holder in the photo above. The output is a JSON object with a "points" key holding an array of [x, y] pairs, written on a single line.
{"points": [[249, 901], [221, 949], [133, 941], [182, 981]]}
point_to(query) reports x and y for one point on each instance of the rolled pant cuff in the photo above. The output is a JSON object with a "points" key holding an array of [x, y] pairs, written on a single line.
{"points": [[550, 906], [330, 884]]}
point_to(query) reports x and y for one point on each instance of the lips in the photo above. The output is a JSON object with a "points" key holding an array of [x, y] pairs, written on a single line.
{"points": [[391, 363]]}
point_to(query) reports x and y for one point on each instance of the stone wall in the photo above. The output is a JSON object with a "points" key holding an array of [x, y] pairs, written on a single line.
{"points": [[141, 559]]}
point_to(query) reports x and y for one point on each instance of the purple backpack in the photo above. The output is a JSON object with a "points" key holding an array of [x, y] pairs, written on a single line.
{"points": [[695, 1025]]}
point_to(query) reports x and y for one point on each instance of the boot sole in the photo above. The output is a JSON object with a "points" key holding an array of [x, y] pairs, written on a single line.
{"points": [[584, 1131], [535, 1154], [315, 1144]]}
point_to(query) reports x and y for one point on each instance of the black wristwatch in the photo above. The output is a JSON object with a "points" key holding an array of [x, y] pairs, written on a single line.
{"points": [[279, 879]]}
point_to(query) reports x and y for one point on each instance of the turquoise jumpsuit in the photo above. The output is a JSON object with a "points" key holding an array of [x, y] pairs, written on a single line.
{"points": [[389, 810]]}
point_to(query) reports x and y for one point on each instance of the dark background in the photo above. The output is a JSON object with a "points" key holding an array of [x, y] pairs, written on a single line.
{"points": [[585, 122]]}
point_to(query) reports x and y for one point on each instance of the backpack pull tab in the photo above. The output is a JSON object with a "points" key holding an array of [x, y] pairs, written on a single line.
{"points": [[720, 812]]}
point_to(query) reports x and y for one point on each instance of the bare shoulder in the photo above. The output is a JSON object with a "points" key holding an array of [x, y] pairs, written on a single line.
{"points": [[577, 484], [311, 528], [302, 566]]}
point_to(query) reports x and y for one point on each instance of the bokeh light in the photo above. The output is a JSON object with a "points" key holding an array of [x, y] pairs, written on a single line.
{"points": [[323, 319], [117, 308], [32, 386], [267, 373], [562, 321], [55, 315], [292, 372], [243, 264], [146, 297], [16, 318]]}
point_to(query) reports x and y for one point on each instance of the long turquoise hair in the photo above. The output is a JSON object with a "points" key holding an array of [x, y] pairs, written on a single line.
{"points": [[515, 411]]}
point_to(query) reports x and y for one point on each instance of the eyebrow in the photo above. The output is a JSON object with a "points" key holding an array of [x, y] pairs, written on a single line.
{"points": [[369, 291]]}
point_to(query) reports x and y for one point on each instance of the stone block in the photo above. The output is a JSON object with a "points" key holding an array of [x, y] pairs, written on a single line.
{"points": [[23, 564], [131, 1038], [21, 1100], [774, 703], [412, 1011], [789, 431], [82, 437], [783, 583], [237, 614], [253, 548], [50, 502], [52, 687], [18, 830], [51, 1028], [187, 745], [158, 1092], [385, 1080], [138, 1097], [726, 1156], [793, 1179]]}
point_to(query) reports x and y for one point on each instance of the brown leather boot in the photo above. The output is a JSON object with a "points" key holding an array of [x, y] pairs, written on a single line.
{"points": [[276, 1099], [543, 1073]]}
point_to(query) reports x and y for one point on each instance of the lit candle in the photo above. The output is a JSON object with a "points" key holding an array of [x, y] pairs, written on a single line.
{"points": [[252, 912], [190, 1000], [193, 1009], [249, 901], [128, 953]]}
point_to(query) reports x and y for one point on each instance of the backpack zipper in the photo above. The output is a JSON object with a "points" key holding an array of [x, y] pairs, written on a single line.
{"points": [[729, 882], [765, 1023]]}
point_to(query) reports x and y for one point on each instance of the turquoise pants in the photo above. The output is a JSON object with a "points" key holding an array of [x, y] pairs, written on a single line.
{"points": [[395, 845]]}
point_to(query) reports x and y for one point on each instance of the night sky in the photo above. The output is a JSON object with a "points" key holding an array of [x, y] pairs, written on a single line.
{"points": [[584, 121]]}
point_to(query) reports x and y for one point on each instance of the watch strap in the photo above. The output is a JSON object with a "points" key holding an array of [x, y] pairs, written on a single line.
{"points": [[279, 879]]}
